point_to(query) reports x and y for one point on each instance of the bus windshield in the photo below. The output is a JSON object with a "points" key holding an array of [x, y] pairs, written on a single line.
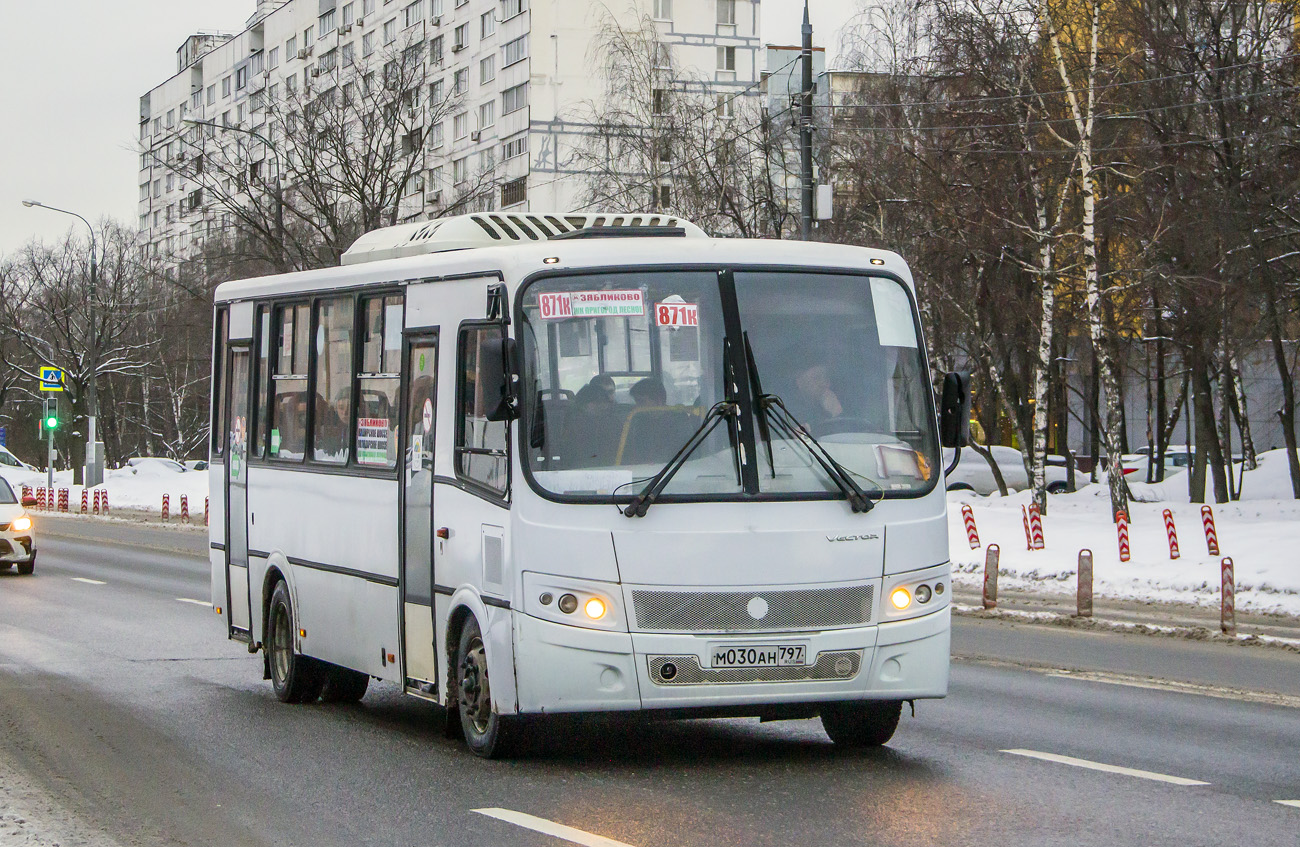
{"points": [[621, 368]]}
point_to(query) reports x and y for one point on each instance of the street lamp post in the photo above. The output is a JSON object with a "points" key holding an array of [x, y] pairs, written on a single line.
{"points": [[94, 468], [279, 180]]}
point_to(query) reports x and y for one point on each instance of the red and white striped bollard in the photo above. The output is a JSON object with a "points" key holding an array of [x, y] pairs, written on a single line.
{"points": [[1121, 525], [106, 501], [991, 576], [166, 508], [40, 499], [96, 501], [185, 508], [1029, 538], [63, 499], [1211, 537], [205, 510], [1172, 532], [1035, 528], [972, 534], [85, 502], [1083, 596], [1228, 612]]}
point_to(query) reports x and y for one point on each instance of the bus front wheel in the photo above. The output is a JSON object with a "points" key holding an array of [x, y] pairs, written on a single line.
{"points": [[488, 733], [296, 678], [861, 723]]}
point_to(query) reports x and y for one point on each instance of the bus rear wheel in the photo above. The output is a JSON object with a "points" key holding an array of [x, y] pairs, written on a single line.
{"points": [[488, 733], [862, 723], [296, 678]]}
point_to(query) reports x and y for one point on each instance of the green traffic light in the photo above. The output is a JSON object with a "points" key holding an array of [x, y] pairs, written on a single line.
{"points": [[52, 422]]}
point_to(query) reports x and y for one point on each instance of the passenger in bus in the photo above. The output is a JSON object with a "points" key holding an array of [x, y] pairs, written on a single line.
{"points": [[596, 393], [649, 392], [331, 432]]}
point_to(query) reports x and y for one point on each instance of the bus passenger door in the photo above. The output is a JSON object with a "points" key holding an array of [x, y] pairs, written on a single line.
{"points": [[421, 373], [237, 494]]}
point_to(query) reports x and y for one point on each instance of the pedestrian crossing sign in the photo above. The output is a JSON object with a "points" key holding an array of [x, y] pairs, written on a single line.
{"points": [[51, 379]]}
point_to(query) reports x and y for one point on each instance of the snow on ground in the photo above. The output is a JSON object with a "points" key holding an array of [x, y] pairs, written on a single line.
{"points": [[128, 488], [1261, 534]]}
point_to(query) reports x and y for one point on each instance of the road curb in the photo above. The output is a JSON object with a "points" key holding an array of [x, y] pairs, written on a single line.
{"points": [[1191, 633]]}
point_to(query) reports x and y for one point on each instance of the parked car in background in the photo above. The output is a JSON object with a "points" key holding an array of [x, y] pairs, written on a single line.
{"points": [[196, 464], [973, 472], [17, 536], [1137, 466], [154, 463], [9, 460]]}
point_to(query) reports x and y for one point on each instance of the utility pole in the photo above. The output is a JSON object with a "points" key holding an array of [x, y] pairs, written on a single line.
{"points": [[806, 131]]}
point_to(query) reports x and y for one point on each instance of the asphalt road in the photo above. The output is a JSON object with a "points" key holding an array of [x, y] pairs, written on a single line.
{"points": [[121, 701]]}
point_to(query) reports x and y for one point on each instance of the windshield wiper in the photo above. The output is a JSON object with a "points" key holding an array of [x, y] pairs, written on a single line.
{"points": [[772, 412], [643, 501]]}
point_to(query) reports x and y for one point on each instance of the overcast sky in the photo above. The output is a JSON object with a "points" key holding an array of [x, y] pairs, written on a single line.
{"points": [[74, 71]]}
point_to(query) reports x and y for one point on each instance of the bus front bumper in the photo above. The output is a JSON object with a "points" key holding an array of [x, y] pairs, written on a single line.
{"points": [[562, 668]]}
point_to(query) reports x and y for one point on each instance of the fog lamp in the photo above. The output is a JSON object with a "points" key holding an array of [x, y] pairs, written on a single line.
{"points": [[595, 608], [568, 604], [923, 594], [901, 598]]}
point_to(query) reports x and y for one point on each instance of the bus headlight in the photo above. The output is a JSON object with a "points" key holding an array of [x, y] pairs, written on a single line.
{"points": [[901, 598], [21, 524], [574, 602]]}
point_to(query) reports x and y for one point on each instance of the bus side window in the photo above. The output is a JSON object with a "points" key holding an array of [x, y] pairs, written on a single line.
{"points": [[482, 452], [219, 385]]}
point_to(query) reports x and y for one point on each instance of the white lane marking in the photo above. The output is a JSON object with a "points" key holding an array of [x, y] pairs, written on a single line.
{"points": [[1098, 766], [87, 581], [1295, 803], [1222, 692], [556, 830], [203, 603]]}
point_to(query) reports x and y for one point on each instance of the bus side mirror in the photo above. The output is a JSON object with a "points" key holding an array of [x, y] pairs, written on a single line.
{"points": [[29, 502], [954, 410], [496, 373]]}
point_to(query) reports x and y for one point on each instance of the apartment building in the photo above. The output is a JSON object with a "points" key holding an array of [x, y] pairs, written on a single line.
{"points": [[525, 72]]}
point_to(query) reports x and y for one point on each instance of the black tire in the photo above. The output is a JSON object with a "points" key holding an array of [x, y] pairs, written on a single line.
{"points": [[344, 685], [862, 723], [1058, 488], [488, 734], [296, 678], [26, 568]]}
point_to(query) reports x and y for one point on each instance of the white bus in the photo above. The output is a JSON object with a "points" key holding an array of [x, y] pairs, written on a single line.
{"points": [[524, 464]]}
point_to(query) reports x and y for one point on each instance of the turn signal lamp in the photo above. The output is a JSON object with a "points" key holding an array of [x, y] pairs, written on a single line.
{"points": [[22, 524], [595, 608], [901, 598]]}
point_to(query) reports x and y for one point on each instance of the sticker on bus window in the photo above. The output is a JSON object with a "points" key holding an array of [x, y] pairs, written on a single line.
{"points": [[372, 441], [592, 304], [669, 313]]}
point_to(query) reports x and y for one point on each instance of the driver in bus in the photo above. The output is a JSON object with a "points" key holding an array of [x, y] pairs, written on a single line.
{"points": [[815, 400]]}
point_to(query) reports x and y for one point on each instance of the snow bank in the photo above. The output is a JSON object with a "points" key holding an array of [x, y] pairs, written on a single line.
{"points": [[129, 488], [1261, 534]]}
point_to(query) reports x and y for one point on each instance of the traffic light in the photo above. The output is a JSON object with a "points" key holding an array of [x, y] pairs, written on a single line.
{"points": [[50, 416]]}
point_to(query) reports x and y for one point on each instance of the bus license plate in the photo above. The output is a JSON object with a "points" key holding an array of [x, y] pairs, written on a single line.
{"points": [[757, 655]]}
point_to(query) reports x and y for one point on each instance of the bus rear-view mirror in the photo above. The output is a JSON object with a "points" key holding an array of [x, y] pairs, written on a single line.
{"points": [[954, 410], [496, 370]]}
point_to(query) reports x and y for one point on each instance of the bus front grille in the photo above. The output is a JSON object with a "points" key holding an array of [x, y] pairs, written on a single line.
{"points": [[752, 611]]}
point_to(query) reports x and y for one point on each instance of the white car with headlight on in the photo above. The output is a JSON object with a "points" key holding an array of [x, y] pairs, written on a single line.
{"points": [[17, 536]]}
